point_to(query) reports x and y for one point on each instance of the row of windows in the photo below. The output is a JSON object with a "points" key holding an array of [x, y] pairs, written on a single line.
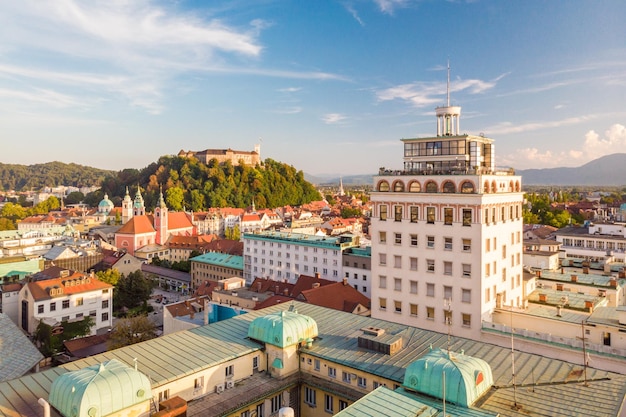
{"points": [[280, 263], [305, 268], [431, 186], [466, 293], [449, 216], [466, 244], [296, 247], [414, 214], [93, 313], [65, 304], [466, 269], [310, 398], [296, 257], [466, 318]]}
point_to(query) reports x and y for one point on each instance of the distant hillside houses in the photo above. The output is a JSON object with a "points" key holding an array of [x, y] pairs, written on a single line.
{"points": [[222, 155]]}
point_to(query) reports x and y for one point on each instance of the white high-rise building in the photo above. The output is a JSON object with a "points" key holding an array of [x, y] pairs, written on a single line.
{"points": [[446, 233]]}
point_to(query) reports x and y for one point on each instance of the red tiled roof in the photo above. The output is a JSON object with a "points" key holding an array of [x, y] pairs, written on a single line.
{"points": [[276, 299], [206, 289], [250, 218], [338, 296], [12, 287], [137, 225]]}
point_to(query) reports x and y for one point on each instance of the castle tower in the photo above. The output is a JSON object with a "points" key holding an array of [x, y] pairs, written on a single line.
{"points": [[160, 220], [139, 208], [446, 231], [127, 208]]}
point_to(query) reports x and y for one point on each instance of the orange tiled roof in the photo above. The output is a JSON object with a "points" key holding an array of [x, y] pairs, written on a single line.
{"points": [[137, 225], [178, 220], [78, 283]]}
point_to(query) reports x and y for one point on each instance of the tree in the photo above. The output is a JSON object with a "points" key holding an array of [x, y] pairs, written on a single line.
{"points": [[130, 330], [175, 198], [110, 276], [349, 212], [74, 197], [132, 290], [7, 224]]}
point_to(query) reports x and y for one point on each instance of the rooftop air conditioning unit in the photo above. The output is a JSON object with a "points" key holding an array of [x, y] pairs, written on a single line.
{"points": [[230, 384], [219, 388]]}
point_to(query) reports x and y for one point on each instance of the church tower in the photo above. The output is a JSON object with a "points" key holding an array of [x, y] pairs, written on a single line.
{"points": [[138, 206], [127, 208], [160, 220]]}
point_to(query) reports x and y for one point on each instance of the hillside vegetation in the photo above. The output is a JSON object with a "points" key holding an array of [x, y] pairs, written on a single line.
{"points": [[35, 177], [190, 184]]}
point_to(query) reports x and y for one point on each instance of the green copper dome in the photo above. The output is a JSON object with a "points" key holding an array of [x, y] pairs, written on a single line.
{"points": [[283, 329], [106, 205], [466, 378], [89, 391]]}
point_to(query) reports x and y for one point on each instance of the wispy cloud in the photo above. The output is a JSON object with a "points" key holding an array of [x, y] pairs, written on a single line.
{"points": [[333, 118], [508, 127], [389, 6], [289, 110], [133, 51], [350, 8], [289, 89], [422, 94]]}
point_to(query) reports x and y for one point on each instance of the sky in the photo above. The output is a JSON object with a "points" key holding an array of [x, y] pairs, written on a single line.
{"points": [[330, 87]]}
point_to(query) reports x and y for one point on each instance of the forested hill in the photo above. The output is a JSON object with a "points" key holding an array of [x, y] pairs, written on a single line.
{"points": [[190, 184], [35, 177]]}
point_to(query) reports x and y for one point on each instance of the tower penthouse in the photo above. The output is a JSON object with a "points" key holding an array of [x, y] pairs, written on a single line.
{"points": [[446, 233]]}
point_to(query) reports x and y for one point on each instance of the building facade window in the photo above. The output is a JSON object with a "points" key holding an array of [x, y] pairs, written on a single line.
{"points": [[383, 212], [467, 217], [448, 217], [414, 214], [413, 287], [413, 309], [430, 242], [328, 403], [309, 396], [430, 289], [397, 213], [466, 295], [430, 215]]}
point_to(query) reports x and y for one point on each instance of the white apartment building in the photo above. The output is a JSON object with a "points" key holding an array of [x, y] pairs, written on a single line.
{"points": [[446, 233], [69, 297], [357, 269], [283, 256], [601, 241]]}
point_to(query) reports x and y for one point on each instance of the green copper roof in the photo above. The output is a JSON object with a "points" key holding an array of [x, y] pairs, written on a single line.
{"points": [[466, 378], [88, 391], [282, 329], [220, 259]]}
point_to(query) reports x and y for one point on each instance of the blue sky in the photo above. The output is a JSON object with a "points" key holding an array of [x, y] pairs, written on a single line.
{"points": [[325, 86]]}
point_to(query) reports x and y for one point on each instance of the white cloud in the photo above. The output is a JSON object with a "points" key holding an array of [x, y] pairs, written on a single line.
{"points": [[594, 146], [422, 94], [333, 118], [389, 6], [614, 141]]}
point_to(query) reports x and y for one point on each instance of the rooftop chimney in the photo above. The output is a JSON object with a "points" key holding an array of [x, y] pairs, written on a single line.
{"points": [[345, 281], [317, 275]]}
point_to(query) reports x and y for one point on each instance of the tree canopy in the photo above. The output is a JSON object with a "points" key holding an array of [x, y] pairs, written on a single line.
{"points": [[34, 177], [190, 184]]}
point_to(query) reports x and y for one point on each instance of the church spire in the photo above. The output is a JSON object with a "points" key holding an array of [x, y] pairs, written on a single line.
{"points": [[161, 202]]}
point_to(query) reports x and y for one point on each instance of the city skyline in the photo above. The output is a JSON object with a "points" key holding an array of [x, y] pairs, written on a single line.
{"points": [[328, 87]]}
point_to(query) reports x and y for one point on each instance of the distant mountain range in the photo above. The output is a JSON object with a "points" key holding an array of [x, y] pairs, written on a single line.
{"points": [[609, 170]]}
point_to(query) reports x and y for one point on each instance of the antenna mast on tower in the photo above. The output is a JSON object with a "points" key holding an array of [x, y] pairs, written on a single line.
{"points": [[448, 86]]}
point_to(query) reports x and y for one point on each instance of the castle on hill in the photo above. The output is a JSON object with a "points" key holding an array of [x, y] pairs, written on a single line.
{"points": [[223, 155]]}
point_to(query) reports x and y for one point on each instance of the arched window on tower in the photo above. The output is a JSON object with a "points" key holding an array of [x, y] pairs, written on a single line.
{"points": [[431, 187], [449, 187]]}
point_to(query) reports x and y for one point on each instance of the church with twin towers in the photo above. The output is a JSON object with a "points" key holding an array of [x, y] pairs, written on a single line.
{"points": [[446, 232]]}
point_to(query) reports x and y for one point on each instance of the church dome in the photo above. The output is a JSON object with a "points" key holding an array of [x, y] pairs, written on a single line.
{"points": [[88, 391], [283, 329], [106, 205], [466, 378]]}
